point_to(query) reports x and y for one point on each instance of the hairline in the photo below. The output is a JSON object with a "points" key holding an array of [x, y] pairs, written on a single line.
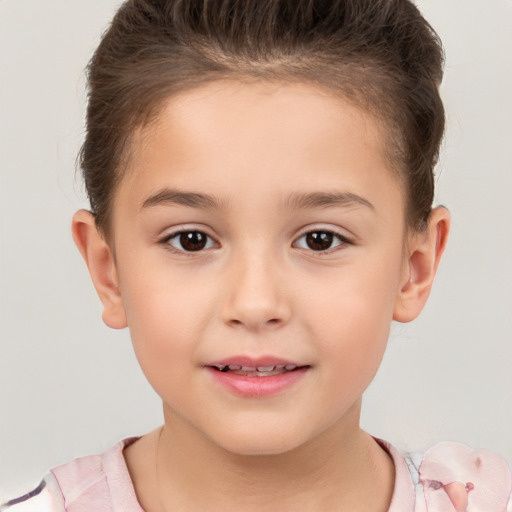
{"points": [[139, 126]]}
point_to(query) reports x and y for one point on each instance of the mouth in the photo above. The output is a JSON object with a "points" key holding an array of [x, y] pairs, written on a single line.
{"points": [[257, 371], [256, 377]]}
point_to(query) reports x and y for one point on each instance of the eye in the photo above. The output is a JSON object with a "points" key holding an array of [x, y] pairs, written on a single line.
{"points": [[320, 240], [189, 241]]}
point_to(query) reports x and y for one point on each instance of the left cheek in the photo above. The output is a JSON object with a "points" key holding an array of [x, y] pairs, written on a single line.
{"points": [[351, 365], [353, 326]]}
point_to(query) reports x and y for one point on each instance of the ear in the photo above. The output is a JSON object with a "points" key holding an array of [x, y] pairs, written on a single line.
{"points": [[102, 268], [425, 249]]}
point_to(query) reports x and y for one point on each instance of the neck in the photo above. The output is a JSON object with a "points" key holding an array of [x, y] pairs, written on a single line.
{"points": [[341, 469]]}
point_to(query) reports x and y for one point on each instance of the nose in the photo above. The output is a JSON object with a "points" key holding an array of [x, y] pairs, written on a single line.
{"points": [[256, 295]]}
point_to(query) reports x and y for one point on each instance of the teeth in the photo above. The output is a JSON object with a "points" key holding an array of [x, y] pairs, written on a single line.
{"points": [[256, 370]]}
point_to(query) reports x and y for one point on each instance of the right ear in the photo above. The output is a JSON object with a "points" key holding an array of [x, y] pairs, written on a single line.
{"points": [[101, 264]]}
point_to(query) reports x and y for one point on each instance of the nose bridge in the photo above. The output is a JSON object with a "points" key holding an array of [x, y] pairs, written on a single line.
{"points": [[256, 296]]}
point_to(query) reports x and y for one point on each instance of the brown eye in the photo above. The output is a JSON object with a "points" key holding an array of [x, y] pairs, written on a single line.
{"points": [[190, 241], [320, 241]]}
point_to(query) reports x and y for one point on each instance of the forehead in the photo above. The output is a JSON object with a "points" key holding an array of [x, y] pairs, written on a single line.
{"points": [[262, 109], [282, 135]]}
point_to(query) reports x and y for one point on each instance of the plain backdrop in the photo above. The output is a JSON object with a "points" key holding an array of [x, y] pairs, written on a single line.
{"points": [[69, 386]]}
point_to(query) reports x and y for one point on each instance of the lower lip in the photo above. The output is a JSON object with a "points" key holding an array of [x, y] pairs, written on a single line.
{"points": [[257, 387]]}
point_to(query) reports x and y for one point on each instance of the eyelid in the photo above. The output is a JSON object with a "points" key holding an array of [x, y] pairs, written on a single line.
{"points": [[173, 233], [336, 232], [327, 228]]}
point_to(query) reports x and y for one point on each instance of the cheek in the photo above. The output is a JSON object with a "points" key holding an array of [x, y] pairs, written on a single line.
{"points": [[361, 293], [164, 329], [351, 352], [352, 318], [166, 317]]}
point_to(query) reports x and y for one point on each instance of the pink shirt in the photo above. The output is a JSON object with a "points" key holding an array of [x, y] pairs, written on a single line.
{"points": [[446, 478]]}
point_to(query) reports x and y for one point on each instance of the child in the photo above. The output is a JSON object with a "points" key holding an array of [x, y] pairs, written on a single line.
{"points": [[260, 178]]}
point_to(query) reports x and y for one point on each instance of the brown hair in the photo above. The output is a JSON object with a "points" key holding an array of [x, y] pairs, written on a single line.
{"points": [[380, 54]]}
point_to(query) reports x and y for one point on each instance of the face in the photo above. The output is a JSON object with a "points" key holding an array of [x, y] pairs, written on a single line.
{"points": [[259, 240]]}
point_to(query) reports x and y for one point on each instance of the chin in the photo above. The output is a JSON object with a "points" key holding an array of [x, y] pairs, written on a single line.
{"points": [[260, 447], [260, 441]]}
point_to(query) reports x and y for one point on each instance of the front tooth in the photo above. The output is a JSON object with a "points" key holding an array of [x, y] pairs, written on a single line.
{"points": [[221, 367], [234, 367], [248, 368], [290, 367], [265, 368]]}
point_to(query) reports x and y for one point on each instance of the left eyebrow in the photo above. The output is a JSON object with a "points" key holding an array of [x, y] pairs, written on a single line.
{"points": [[325, 200], [169, 196]]}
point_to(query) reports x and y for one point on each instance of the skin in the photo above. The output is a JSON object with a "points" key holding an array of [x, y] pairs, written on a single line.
{"points": [[257, 289]]}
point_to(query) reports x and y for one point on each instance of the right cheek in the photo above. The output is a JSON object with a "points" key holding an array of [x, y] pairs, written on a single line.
{"points": [[169, 306], [162, 325]]}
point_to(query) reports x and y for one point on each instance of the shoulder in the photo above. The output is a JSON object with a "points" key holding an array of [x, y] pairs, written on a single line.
{"points": [[46, 497], [452, 476], [99, 483]]}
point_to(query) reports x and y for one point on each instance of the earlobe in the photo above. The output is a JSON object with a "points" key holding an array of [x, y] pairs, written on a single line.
{"points": [[99, 260], [424, 254]]}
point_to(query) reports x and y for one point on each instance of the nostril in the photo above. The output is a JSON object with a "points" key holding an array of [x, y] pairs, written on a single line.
{"points": [[256, 323]]}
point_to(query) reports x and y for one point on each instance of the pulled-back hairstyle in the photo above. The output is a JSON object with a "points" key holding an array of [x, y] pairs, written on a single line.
{"points": [[379, 54]]}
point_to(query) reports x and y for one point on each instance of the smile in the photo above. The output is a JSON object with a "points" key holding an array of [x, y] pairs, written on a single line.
{"points": [[256, 371], [256, 378]]}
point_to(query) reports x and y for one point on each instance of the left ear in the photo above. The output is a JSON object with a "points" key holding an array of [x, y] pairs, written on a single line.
{"points": [[425, 249]]}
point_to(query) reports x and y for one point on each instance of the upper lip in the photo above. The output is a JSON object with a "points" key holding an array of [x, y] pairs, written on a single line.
{"points": [[253, 362]]}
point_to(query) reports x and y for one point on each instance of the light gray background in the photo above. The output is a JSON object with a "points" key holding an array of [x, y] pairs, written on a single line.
{"points": [[69, 386]]}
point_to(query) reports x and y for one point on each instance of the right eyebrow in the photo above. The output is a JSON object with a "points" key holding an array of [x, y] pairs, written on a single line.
{"points": [[171, 197]]}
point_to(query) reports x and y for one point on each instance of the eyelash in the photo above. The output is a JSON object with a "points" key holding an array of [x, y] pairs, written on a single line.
{"points": [[177, 235], [341, 241]]}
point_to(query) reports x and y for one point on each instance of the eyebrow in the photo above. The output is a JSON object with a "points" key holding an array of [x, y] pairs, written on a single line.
{"points": [[296, 201], [177, 197], [325, 200]]}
